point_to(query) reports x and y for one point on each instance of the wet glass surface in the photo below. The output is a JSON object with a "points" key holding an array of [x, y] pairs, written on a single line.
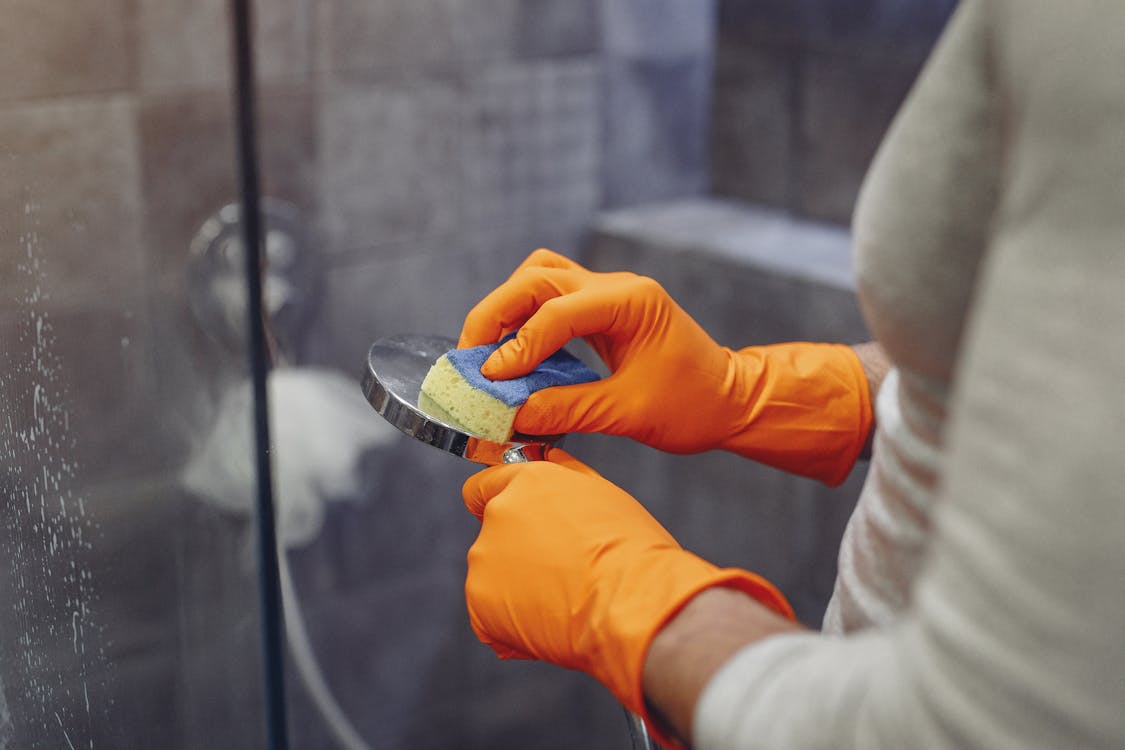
{"points": [[130, 601]]}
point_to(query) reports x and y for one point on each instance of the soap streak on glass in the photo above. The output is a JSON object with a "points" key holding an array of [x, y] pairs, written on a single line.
{"points": [[46, 533]]}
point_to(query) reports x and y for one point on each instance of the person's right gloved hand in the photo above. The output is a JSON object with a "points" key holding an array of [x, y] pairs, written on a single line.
{"points": [[801, 407], [572, 570]]}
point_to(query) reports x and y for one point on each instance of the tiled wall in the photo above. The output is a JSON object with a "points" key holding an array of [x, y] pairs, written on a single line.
{"points": [[456, 135], [429, 144], [805, 89]]}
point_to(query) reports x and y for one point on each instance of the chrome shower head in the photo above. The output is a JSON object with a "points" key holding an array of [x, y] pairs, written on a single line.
{"points": [[392, 383]]}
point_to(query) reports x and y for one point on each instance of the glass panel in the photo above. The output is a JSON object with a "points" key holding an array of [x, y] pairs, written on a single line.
{"points": [[421, 149], [127, 565]]}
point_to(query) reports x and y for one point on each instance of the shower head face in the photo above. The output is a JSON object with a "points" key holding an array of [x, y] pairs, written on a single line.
{"points": [[392, 383]]}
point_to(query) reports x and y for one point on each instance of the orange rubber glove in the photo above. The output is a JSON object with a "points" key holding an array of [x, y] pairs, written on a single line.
{"points": [[570, 569], [801, 407]]}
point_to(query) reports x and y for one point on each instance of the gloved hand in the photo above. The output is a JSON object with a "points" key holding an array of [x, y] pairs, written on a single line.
{"points": [[801, 407], [570, 569]]}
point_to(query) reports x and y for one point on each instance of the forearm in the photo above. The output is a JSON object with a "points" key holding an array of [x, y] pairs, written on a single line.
{"points": [[687, 652]]}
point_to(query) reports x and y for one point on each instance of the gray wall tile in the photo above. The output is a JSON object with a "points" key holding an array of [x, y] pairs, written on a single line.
{"points": [[908, 27], [531, 144], [189, 169], [407, 288], [395, 683], [501, 249], [187, 149], [847, 104], [849, 64], [388, 36], [288, 146], [738, 513], [185, 44], [411, 293], [656, 97], [284, 35], [214, 592], [70, 187], [424, 287], [658, 29], [742, 19], [424, 681], [133, 521], [389, 162], [408, 520], [656, 121], [51, 49], [108, 384], [829, 314], [537, 705], [753, 153], [439, 36], [708, 288], [751, 238], [147, 696], [491, 30], [550, 28], [526, 29]]}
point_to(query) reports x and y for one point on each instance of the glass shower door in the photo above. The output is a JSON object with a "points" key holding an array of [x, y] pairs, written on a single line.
{"points": [[129, 610]]}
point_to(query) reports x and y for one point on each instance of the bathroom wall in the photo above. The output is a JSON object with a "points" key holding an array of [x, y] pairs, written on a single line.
{"points": [[428, 145], [805, 89]]}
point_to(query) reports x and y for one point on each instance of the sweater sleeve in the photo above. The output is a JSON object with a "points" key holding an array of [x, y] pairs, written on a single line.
{"points": [[1013, 634]]}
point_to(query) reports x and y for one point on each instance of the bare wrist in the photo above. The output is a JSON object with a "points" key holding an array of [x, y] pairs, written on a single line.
{"points": [[695, 644]]}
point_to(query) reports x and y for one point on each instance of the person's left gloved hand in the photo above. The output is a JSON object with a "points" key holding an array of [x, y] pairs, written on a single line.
{"points": [[570, 569]]}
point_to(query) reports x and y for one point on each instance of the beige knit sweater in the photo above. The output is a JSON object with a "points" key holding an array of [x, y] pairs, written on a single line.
{"points": [[981, 595]]}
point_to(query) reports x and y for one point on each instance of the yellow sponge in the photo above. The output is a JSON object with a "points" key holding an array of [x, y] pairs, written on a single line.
{"points": [[473, 410], [455, 391]]}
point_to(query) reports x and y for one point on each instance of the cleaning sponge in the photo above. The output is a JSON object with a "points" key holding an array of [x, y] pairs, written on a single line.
{"points": [[487, 408]]}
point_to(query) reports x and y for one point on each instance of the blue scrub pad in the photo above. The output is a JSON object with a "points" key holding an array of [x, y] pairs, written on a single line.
{"points": [[486, 407], [561, 368]]}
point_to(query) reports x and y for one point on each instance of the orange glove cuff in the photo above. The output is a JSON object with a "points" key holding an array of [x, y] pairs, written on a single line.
{"points": [[672, 582], [748, 583], [808, 408]]}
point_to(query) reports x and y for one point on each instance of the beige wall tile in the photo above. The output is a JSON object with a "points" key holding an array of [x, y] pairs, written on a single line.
{"points": [[390, 157], [186, 44], [190, 170], [69, 181], [52, 48], [531, 144], [387, 35]]}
